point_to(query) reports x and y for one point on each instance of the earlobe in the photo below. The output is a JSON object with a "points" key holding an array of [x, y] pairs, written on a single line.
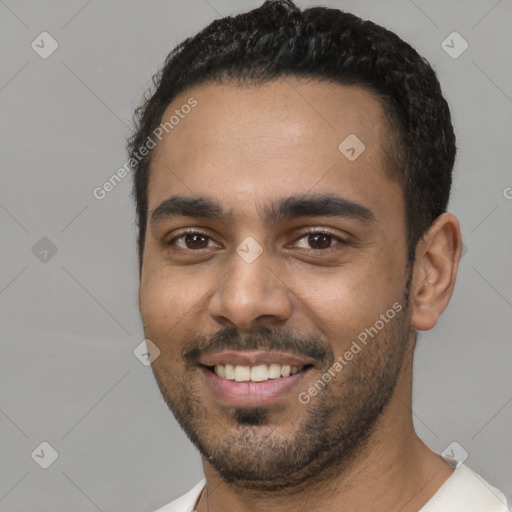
{"points": [[435, 271]]}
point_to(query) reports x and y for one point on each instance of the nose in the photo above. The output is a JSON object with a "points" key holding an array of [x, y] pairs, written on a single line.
{"points": [[250, 296]]}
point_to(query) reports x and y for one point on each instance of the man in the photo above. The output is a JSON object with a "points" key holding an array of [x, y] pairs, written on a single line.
{"points": [[292, 174]]}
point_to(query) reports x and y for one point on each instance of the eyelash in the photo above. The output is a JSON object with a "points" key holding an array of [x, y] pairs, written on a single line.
{"points": [[195, 231]]}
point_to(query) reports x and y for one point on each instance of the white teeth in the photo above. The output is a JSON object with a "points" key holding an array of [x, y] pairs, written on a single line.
{"points": [[230, 371], [242, 373], [259, 373], [274, 371], [220, 370]]}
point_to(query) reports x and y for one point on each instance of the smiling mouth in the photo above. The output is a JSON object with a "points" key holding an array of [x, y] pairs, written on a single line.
{"points": [[257, 373]]}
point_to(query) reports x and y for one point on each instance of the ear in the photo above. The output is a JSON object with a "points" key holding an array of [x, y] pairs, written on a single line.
{"points": [[435, 270]]}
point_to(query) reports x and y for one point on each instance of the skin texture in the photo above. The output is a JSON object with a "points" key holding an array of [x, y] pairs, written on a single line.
{"points": [[354, 442]]}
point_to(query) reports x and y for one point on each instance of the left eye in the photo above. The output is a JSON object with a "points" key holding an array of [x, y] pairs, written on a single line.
{"points": [[318, 241]]}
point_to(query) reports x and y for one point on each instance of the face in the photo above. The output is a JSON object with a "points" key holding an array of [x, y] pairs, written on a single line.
{"points": [[274, 275]]}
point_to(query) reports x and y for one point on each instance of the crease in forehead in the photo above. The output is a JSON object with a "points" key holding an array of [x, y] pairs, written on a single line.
{"points": [[283, 109], [384, 167], [327, 101]]}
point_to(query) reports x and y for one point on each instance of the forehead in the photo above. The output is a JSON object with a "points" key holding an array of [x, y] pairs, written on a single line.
{"points": [[285, 137]]}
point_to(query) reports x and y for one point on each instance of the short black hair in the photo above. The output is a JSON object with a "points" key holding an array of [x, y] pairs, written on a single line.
{"points": [[279, 40]]}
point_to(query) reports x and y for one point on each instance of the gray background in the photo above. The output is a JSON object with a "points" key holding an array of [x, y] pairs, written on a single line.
{"points": [[69, 320]]}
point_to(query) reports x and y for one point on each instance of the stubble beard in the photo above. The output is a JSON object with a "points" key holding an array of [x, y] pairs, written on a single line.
{"points": [[323, 437]]}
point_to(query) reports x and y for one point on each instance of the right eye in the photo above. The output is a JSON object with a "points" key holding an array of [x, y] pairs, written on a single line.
{"points": [[191, 240]]}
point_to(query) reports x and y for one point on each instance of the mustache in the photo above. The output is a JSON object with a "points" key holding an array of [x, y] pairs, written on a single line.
{"points": [[268, 338]]}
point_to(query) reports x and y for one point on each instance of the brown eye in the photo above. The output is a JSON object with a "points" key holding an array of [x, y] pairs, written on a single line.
{"points": [[319, 240], [193, 240], [196, 241]]}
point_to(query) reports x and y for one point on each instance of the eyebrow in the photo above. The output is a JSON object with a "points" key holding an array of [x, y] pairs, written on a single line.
{"points": [[327, 205]]}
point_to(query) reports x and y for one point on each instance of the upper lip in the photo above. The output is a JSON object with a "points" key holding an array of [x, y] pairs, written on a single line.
{"points": [[253, 358]]}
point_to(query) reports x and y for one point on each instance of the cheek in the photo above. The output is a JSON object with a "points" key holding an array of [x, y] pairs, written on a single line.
{"points": [[347, 300], [169, 297], [162, 299], [161, 311], [172, 302]]}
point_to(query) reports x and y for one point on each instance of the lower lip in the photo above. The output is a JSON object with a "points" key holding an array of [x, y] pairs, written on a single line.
{"points": [[250, 393]]}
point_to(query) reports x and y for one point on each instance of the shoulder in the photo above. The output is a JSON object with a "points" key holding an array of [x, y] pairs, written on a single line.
{"points": [[466, 491], [185, 503]]}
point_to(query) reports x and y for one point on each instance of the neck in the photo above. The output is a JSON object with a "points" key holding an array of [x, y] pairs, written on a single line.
{"points": [[395, 470]]}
